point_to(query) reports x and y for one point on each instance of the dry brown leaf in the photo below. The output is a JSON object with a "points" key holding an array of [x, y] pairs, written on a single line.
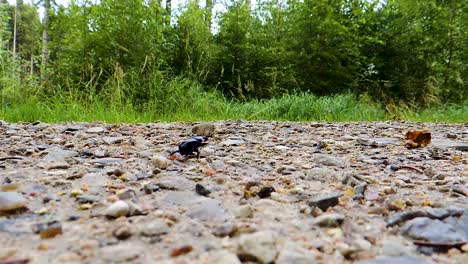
{"points": [[417, 138]]}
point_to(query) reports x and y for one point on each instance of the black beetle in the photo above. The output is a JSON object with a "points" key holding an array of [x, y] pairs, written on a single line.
{"points": [[190, 146]]}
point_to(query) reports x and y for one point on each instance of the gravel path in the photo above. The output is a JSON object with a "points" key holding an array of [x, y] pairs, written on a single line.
{"points": [[261, 192]]}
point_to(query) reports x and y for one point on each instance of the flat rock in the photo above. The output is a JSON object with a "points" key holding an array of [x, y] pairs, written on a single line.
{"points": [[113, 140], [394, 260], [208, 210], [57, 154], [233, 142], [447, 143], [95, 130], [378, 142], [329, 220], [329, 160], [434, 231], [324, 201]]}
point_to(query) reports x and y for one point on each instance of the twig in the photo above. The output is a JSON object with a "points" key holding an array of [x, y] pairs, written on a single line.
{"points": [[411, 168]]}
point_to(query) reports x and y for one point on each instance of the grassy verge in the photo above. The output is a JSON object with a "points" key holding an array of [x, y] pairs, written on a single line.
{"points": [[182, 100]]}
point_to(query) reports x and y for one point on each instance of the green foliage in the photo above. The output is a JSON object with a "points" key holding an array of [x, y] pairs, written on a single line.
{"points": [[273, 60]]}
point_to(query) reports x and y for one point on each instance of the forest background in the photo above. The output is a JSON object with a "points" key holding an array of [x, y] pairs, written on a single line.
{"points": [[148, 60]]}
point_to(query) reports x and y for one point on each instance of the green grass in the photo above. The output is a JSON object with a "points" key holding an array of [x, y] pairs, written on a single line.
{"points": [[183, 100]]}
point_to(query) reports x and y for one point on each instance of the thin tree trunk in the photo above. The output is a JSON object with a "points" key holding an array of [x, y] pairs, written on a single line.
{"points": [[45, 40], [14, 29], [208, 14], [168, 12], [451, 46]]}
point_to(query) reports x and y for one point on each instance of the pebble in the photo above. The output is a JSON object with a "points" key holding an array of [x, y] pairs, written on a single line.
{"points": [[324, 201], [48, 229], [292, 253], [265, 192], [11, 201], [317, 174], [201, 190], [329, 160], [155, 228], [220, 257], [204, 130], [160, 162], [123, 252], [113, 140], [260, 246], [243, 211], [329, 220], [122, 232], [117, 209]]}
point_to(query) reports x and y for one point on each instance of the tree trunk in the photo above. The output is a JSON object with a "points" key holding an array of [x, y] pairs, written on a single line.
{"points": [[45, 39], [14, 29]]}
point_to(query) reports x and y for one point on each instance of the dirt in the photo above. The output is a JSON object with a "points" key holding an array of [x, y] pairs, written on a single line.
{"points": [[260, 192]]}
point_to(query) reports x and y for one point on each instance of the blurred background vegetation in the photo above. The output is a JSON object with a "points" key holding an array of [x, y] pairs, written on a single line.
{"points": [[146, 60]]}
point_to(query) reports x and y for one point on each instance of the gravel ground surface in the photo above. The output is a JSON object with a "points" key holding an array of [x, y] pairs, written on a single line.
{"points": [[260, 192]]}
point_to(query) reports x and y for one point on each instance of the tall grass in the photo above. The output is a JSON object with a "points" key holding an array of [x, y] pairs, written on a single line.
{"points": [[126, 97]]}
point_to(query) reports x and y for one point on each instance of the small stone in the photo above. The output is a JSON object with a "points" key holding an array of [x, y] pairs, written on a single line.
{"points": [[318, 174], [150, 188], [225, 229], [329, 160], [117, 209], [155, 228], [48, 229], [134, 209], [325, 200], [122, 232], [86, 198], [113, 140], [204, 130], [181, 251], [464, 248], [11, 201], [201, 190], [259, 246], [122, 252], [221, 257], [329, 220], [95, 130], [243, 211], [160, 162], [265, 192], [292, 253]]}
